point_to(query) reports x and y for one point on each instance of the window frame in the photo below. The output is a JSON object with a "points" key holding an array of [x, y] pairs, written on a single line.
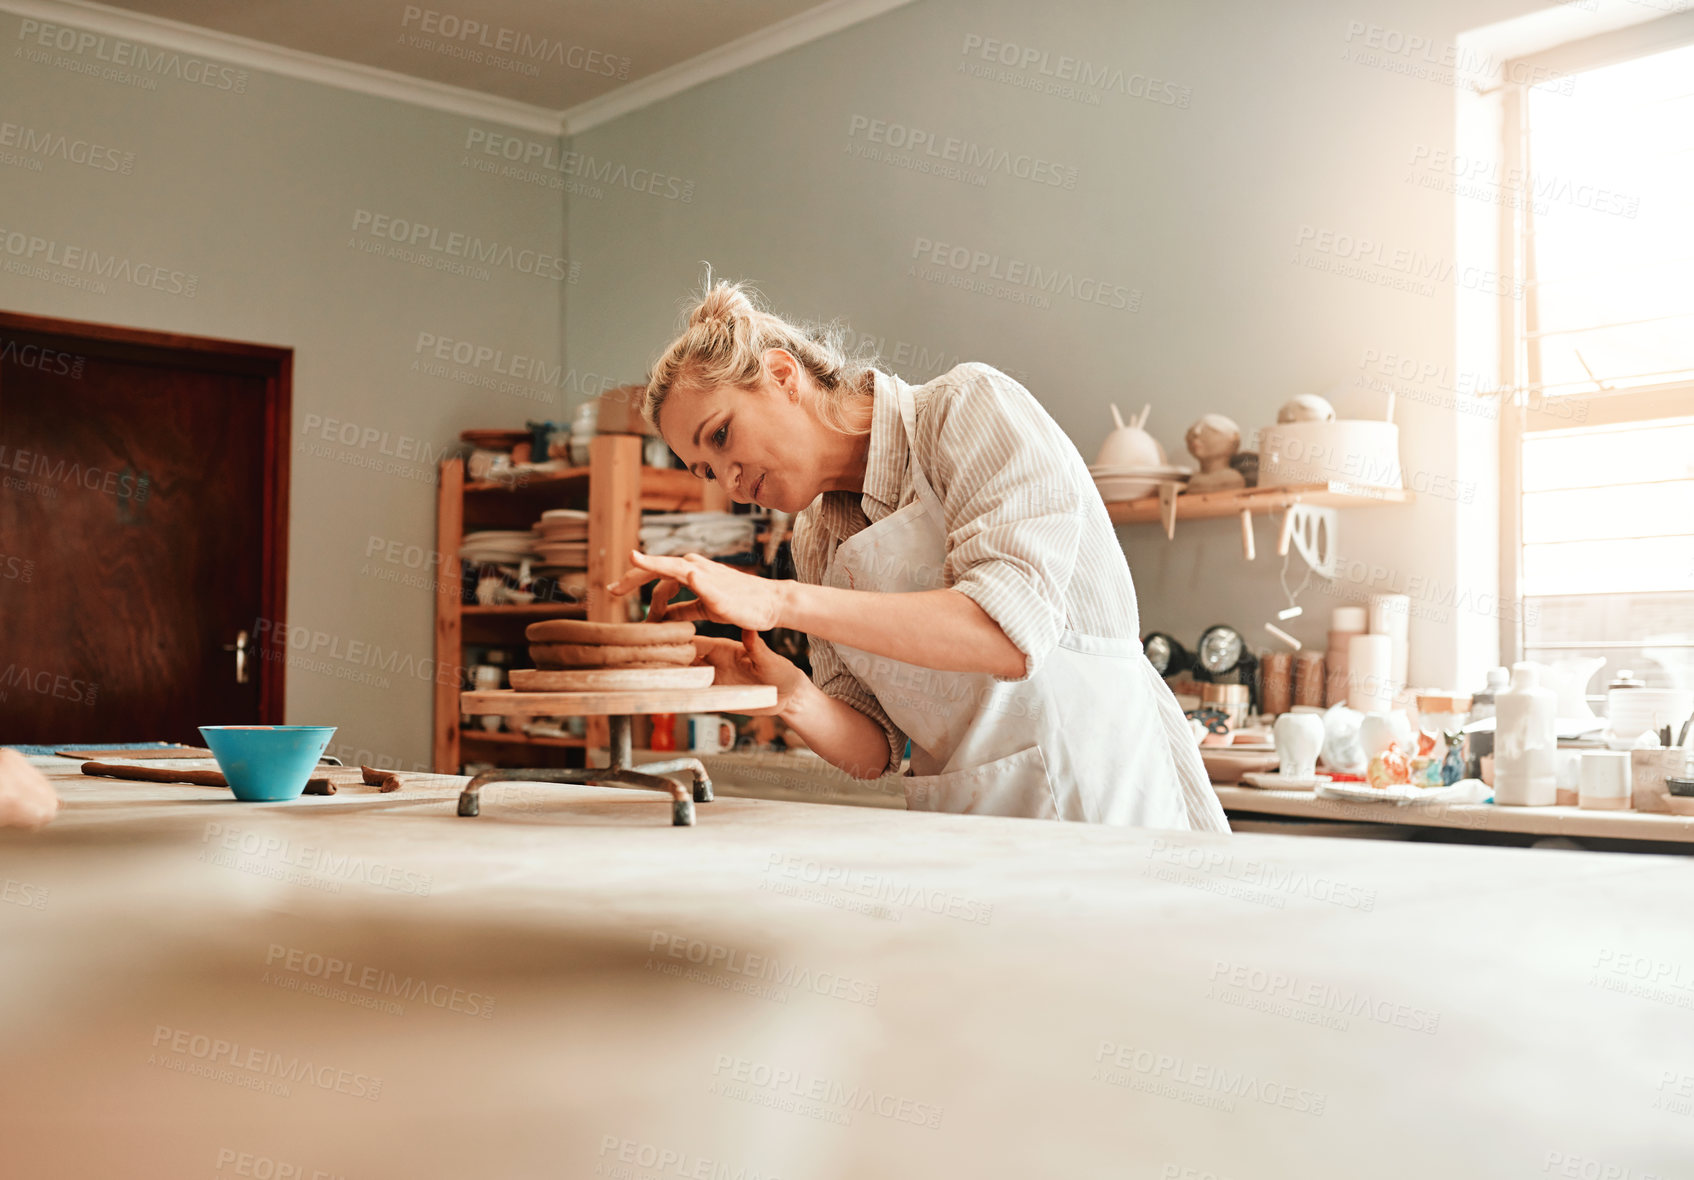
{"points": [[1522, 411]]}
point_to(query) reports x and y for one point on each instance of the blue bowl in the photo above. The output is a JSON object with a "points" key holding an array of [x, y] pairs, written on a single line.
{"points": [[267, 763]]}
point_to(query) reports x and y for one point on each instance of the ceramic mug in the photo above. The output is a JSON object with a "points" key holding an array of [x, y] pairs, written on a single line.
{"points": [[1299, 737], [708, 733], [1605, 779]]}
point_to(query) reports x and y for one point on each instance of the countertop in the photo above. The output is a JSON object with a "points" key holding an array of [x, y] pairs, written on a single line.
{"points": [[367, 985], [1571, 822]]}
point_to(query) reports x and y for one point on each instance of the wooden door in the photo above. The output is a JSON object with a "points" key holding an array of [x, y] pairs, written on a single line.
{"points": [[143, 524]]}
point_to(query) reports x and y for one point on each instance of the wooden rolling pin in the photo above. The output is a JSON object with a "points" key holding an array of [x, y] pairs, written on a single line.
{"points": [[198, 778]]}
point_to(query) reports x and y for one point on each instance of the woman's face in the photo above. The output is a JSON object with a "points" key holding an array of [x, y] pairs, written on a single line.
{"points": [[761, 444]]}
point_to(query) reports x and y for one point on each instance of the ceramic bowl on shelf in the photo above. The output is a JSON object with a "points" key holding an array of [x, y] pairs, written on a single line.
{"points": [[1634, 711], [1350, 450]]}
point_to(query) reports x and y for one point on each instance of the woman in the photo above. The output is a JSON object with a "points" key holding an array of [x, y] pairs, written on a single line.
{"points": [[958, 576]]}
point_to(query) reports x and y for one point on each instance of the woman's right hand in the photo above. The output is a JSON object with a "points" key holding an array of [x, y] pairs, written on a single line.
{"points": [[750, 662]]}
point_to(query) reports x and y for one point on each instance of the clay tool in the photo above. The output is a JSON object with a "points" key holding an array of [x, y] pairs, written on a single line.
{"points": [[386, 779], [196, 778]]}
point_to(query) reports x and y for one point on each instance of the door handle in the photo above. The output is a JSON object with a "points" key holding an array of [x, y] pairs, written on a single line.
{"points": [[239, 647]]}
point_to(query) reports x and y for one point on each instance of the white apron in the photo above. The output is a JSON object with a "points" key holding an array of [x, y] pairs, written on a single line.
{"points": [[1094, 736]]}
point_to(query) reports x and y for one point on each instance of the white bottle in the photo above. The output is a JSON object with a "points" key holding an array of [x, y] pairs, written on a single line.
{"points": [[1525, 741]]}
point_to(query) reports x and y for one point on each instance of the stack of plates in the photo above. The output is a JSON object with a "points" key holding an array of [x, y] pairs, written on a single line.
{"points": [[498, 546], [572, 555], [1131, 483], [563, 520], [564, 539]]}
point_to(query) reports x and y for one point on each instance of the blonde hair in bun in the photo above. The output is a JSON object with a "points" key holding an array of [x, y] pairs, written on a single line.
{"points": [[724, 343]]}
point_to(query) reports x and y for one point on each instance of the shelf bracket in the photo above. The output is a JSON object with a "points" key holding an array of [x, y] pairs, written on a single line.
{"points": [[1312, 531], [1167, 508]]}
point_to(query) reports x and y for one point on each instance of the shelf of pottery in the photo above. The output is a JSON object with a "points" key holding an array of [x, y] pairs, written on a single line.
{"points": [[1308, 463], [521, 540]]}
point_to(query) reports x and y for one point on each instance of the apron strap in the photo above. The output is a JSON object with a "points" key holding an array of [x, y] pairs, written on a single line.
{"points": [[909, 419], [1205, 813]]}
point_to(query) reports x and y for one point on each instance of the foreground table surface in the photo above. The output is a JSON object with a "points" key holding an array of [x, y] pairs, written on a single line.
{"points": [[365, 985]]}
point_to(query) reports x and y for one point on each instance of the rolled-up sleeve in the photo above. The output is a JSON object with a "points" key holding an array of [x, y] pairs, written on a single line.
{"points": [[831, 675], [1012, 487]]}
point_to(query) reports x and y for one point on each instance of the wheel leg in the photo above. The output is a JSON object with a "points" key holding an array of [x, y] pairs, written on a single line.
{"points": [[470, 803], [619, 740]]}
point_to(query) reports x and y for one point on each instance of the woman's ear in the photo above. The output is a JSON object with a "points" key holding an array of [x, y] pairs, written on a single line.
{"points": [[784, 371]]}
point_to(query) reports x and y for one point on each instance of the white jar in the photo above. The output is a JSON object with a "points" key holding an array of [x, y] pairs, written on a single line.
{"points": [[1605, 780], [1525, 741], [583, 429], [1299, 737]]}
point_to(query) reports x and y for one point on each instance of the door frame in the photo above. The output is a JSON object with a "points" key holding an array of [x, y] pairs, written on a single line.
{"points": [[276, 367]]}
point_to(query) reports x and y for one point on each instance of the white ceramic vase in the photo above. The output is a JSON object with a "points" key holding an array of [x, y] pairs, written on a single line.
{"points": [[1525, 741], [1299, 737]]}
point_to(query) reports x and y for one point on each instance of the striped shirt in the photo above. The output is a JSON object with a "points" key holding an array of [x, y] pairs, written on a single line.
{"points": [[1028, 538]]}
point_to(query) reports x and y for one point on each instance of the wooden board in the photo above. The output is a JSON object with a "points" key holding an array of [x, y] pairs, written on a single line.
{"points": [[610, 679], [449, 622], [1226, 765], [1199, 505], [728, 698], [94, 754]]}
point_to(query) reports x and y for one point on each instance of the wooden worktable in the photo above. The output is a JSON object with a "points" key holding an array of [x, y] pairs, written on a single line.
{"points": [[1570, 822], [514, 995]]}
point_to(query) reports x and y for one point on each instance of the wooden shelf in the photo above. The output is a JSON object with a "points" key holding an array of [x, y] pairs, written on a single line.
{"points": [[521, 739], [527, 610], [615, 488], [531, 481], [1201, 505], [670, 489], [663, 489]]}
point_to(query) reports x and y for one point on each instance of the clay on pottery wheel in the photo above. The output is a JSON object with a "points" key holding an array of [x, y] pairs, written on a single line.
{"points": [[580, 631], [608, 655]]}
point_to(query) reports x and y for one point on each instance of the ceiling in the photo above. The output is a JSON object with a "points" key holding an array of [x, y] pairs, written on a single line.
{"points": [[546, 53]]}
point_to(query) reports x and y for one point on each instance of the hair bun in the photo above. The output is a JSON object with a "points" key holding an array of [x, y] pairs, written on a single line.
{"points": [[723, 301]]}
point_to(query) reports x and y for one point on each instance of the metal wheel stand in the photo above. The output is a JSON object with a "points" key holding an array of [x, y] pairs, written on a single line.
{"points": [[620, 772]]}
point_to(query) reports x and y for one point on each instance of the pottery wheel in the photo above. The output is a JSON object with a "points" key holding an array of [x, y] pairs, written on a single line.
{"points": [[610, 679]]}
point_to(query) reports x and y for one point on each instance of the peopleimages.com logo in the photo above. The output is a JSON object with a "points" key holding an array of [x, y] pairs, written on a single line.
{"points": [[470, 35], [40, 36], [418, 241], [993, 273]]}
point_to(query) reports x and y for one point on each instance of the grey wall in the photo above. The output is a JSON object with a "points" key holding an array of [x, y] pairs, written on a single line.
{"points": [[1264, 119], [1184, 182], [256, 194]]}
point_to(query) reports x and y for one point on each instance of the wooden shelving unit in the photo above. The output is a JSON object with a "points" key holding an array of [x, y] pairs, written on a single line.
{"points": [[615, 488], [1203, 505], [472, 737]]}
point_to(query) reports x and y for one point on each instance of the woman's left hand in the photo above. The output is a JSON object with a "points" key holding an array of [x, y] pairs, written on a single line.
{"points": [[722, 594]]}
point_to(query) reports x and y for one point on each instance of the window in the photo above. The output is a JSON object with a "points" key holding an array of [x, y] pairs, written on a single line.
{"points": [[1598, 444]]}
